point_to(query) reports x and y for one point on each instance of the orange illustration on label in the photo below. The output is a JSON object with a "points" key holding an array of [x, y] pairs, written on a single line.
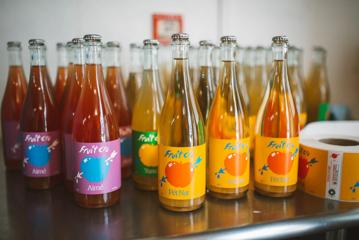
{"points": [[229, 162], [182, 175], [276, 161]]}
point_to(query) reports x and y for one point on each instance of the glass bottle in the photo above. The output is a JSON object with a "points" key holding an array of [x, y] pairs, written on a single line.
{"points": [[40, 125], [135, 75], [62, 72], [296, 84], [69, 108], [193, 65], [145, 121], [12, 102], [205, 89], [240, 74], [277, 131], [70, 72], [228, 132], [216, 61], [269, 60], [317, 90], [182, 149], [95, 136], [116, 91]]}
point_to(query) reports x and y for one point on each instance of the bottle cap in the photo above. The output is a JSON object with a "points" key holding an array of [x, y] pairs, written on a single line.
{"points": [[260, 48], [113, 44], [77, 41], [319, 49], [92, 38], [205, 43], [151, 42], [134, 45], [60, 45], [14, 44], [36, 42], [280, 39], [229, 39], [180, 37]]}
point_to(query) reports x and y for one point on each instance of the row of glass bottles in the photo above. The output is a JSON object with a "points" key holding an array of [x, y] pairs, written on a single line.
{"points": [[180, 120]]}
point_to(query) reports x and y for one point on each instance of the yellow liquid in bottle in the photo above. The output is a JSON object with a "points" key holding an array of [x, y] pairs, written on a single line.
{"points": [[145, 123], [278, 125], [181, 129], [205, 90], [132, 88], [228, 128]]}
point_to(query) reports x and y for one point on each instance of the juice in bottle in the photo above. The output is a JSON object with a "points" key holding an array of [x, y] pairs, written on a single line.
{"points": [[240, 53], [69, 108], [317, 88], [95, 136], [145, 121], [116, 90], [40, 125], [182, 148], [296, 84], [11, 106], [205, 89], [135, 76], [62, 72], [277, 131], [228, 132]]}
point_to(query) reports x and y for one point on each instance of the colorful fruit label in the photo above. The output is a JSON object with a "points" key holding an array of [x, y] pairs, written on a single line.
{"points": [[323, 111], [145, 147], [329, 174], [182, 172], [229, 162], [276, 161], [97, 167], [252, 128], [68, 155], [302, 120], [12, 140], [41, 154], [126, 146]]}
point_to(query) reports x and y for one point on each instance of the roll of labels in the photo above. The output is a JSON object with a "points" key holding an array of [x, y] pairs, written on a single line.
{"points": [[329, 160]]}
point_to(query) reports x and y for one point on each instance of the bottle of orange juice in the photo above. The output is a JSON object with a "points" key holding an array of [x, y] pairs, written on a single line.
{"points": [[228, 132], [182, 149], [296, 84], [317, 87], [134, 78], [145, 121], [205, 89], [277, 131]]}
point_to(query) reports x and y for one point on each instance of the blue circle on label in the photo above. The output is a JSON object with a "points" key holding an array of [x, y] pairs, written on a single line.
{"points": [[94, 169], [38, 155]]}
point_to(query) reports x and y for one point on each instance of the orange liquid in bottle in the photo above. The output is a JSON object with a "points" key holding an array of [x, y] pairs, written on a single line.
{"points": [[40, 125], [277, 132], [62, 73], [11, 106], [116, 91], [228, 133], [96, 137], [75, 81], [135, 76]]}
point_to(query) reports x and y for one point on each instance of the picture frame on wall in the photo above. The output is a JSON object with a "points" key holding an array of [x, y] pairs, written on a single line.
{"points": [[164, 25]]}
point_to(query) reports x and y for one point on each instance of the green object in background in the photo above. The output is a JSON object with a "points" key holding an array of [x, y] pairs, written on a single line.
{"points": [[323, 112]]}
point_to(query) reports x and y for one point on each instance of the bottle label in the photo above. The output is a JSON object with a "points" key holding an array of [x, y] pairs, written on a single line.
{"points": [[126, 146], [229, 162], [252, 128], [12, 140], [68, 155], [276, 161], [41, 154], [323, 111], [97, 167], [145, 146], [302, 120], [182, 172]]}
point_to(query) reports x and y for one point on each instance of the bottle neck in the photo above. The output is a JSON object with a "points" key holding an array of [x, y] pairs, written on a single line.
{"points": [[319, 57], [150, 58], [228, 70], [14, 56], [280, 73], [180, 69], [135, 60], [204, 57], [62, 57], [38, 56], [292, 58], [279, 52], [78, 56], [113, 57], [93, 54], [260, 57]]}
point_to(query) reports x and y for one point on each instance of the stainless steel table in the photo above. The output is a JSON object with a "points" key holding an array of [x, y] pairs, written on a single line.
{"points": [[29, 214]]}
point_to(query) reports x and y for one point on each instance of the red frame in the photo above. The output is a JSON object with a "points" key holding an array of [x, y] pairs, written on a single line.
{"points": [[156, 18]]}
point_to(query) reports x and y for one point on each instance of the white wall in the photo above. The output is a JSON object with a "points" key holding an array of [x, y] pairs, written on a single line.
{"points": [[333, 24]]}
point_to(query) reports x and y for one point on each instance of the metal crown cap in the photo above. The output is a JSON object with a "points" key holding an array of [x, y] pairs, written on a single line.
{"points": [[92, 38], [229, 39], [319, 49], [14, 44], [180, 37], [280, 39], [205, 43], [151, 42], [60, 45], [77, 41], [113, 44], [37, 42], [134, 45]]}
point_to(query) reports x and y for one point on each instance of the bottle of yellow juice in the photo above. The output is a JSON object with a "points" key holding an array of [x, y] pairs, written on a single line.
{"points": [[182, 148], [277, 131], [145, 121], [228, 132]]}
